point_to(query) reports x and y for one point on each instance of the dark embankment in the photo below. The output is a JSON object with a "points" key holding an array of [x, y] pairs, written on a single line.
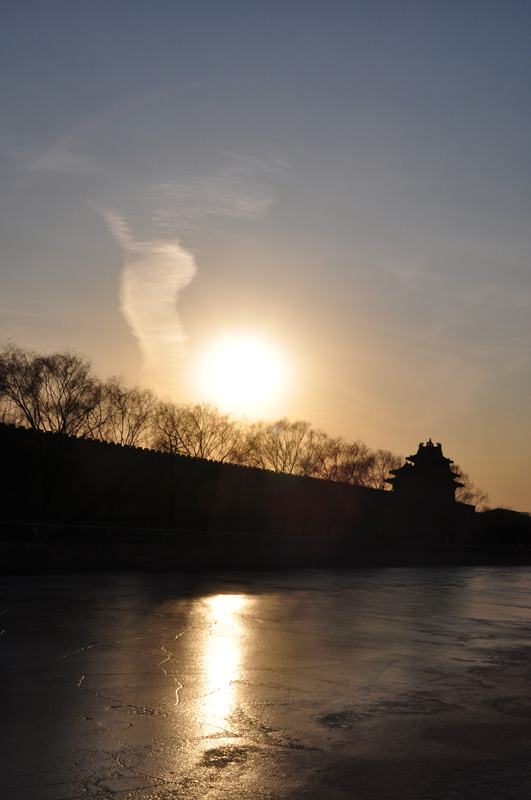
{"points": [[26, 548]]}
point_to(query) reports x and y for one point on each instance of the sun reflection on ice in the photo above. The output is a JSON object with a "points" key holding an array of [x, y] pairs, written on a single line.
{"points": [[222, 655]]}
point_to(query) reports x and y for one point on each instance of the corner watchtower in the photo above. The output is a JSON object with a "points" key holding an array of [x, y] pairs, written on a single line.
{"points": [[426, 477]]}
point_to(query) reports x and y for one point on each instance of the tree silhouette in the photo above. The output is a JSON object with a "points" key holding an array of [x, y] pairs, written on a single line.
{"points": [[281, 446], [379, 469], [123, 416], [200, 431], [56, 392], [469, 492], [344, 462]]}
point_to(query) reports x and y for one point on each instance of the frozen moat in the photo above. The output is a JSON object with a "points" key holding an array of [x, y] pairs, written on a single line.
{"points": [[397, 683]]}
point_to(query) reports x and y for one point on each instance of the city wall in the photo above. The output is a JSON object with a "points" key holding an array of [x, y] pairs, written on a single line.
{"points": [[70, 503]]}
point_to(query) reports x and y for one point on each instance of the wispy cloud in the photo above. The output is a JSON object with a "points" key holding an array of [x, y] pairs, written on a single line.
{"points": [[154, 273], [62, 160], [240, 191], [157, 267], [151, 282]]}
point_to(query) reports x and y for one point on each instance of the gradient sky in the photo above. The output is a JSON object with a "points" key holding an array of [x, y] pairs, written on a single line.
{"points": [[349, 180]]}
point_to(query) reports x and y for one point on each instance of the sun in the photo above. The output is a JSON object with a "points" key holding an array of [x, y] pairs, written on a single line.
{"points": [[243, 374]]}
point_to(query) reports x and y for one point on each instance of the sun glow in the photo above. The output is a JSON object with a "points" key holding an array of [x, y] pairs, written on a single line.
{"points": [[243, 375]]}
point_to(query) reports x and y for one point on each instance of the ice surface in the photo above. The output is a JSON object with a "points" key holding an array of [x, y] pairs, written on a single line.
{"points": [[397, 683]]}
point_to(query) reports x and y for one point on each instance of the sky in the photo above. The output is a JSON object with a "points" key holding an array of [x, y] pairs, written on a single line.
{"points": [[344, 184]]}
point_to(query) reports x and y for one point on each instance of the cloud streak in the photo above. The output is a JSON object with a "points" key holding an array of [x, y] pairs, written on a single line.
{"points": [[157, 267], [62, 160]]}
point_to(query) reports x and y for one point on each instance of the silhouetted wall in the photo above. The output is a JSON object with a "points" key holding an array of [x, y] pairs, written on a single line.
{"points": [[53, 478], [221, 513]]}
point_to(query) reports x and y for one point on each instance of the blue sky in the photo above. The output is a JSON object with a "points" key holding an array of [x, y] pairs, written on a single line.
{"points": [[350, 180]]}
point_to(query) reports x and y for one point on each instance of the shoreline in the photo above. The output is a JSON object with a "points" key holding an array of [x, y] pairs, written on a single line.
{"points": [[46, 548]]}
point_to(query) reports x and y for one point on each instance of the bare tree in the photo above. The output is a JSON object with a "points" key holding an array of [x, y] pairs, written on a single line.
{"points": [[312, 455], [282, 446], [344, 462], [356, 463], [197, 430], [330, 458], [123, 416], [19, 386], [469, 492], [55, 392], [382, 462]]}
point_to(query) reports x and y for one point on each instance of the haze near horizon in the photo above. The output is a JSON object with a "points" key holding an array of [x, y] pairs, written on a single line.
{"points": [[339, 190]]}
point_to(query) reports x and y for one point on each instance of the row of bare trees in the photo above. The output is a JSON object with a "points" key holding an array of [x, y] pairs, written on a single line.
{"points": [[60, 392]]}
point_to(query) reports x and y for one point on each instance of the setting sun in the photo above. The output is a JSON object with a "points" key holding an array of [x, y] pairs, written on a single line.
{"points": [[243, 374]]}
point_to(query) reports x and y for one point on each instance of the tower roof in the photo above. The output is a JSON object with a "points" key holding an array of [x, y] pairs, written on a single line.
{"points": [[429, 453], [427, 476]]}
